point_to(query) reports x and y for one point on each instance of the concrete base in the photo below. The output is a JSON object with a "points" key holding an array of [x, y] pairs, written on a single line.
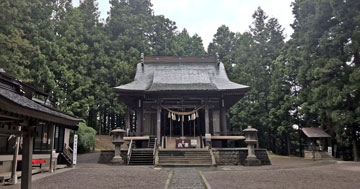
{"points": [[117, 161], [252, 161], [237, 156], [106, 156]]}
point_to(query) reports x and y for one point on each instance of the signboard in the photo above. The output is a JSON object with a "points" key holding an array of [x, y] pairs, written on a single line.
{"points": [[56, 132], [193, 143], [208, 137], [44, 138], [330, 150], [75, 149]]}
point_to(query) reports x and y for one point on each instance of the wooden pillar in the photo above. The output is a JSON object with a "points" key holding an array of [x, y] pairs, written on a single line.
{"points": [[15, 158], [223, 118], [26, 163], [139, 121], [207, 119], [52, 134], [127, 119], [158, 125], [139, 117], [207, 130]]}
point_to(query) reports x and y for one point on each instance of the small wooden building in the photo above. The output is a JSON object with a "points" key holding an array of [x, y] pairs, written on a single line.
{"points": [[30, 129], [317, 143]]}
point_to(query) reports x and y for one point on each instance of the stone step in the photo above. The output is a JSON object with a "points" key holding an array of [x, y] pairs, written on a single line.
{"points": [[192, 155], [184, 157], [189, 162], [133, 160], [187, 155], [184, 165]]}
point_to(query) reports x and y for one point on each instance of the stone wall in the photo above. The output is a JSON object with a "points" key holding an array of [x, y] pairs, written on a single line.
{"points": [[236, 156], [107, 155]]}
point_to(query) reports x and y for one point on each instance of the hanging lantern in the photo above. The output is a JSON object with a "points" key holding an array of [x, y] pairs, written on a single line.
{"points": [[197, 114], [182, 118], [179, 118], [189, 117], [169, 115]]}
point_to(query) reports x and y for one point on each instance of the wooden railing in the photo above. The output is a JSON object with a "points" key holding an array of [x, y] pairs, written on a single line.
{"points": [[229, 133], [129, 151], [68, 154], [155, 146], [134, 133]]}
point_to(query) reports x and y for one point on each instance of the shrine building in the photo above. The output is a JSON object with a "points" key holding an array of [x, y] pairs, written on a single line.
{"points": [[180, 104]]}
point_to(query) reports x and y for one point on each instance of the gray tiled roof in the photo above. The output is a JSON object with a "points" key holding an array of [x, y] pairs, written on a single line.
{"points": [[181, 74], [24, 102]]}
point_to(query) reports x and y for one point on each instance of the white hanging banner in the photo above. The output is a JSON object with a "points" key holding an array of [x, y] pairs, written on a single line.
{"points": [[75, 149]]}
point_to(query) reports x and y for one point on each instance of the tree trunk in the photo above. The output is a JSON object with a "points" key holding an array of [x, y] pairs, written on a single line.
{"points": [[104, 121], [100, 121], [355, 146], [300, 143], [288, 144]]}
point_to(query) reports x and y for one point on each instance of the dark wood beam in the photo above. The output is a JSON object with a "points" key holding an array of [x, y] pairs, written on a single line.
{"points": [[26, 163]]}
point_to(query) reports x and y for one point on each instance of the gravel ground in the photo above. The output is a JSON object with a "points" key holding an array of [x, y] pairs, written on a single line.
{"points": [[288, 173], [89, 174], [284, 172]]}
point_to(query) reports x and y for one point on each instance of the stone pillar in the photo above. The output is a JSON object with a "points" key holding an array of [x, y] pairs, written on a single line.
{"points": [[158, 125], [52, 162], [26, 163], [223, 118]]}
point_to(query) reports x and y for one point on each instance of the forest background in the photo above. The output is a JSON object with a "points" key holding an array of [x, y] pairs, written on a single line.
{"points": [[310, 80]]}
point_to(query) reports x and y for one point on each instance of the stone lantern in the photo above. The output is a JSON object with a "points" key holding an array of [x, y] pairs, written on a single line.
{"points": [[118, 140], [251, 140]]}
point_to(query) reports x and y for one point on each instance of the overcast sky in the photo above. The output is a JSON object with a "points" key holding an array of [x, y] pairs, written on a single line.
{"points": [[205, 16]]}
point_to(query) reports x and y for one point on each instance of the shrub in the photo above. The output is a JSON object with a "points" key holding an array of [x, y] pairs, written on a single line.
{"points": [[87, 138]]}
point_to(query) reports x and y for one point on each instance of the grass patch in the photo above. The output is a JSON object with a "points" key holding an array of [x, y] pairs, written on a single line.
{"points": [[104, 142]]}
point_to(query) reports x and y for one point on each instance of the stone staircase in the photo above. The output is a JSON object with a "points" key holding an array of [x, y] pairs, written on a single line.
{"points": [[325, 155], [184, 157], [143, 156]]}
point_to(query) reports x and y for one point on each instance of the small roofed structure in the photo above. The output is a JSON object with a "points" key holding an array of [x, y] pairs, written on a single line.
{"points": [[315, 132], [41, 127], [316, 143]]}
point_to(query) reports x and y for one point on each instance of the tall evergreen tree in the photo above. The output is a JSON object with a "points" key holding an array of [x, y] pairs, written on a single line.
{"points": [[326, 38], [262, 46]]}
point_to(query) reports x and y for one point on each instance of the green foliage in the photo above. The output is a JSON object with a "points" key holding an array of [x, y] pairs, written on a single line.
{"points": [[313, 79], [87, 138]]}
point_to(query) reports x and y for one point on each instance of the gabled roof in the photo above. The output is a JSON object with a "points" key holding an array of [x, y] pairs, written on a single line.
{"points": [[315, 132], [14, 101], [157, 74]]}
